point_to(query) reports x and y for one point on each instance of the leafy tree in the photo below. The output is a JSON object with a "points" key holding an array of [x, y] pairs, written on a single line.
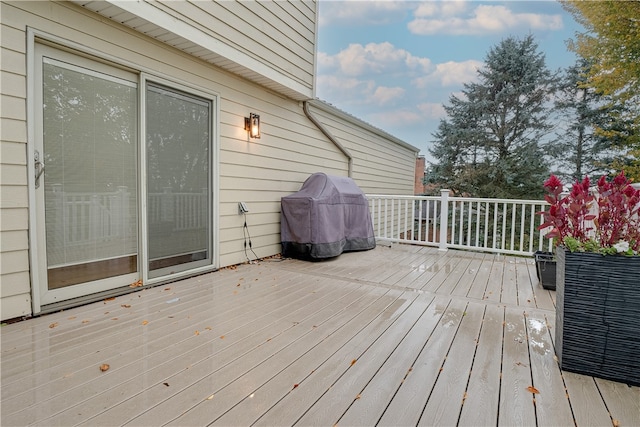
{"points": [[612, 45], [578, 149], [489, 144]]}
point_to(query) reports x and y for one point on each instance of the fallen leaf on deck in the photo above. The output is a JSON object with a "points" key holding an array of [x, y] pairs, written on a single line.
{"points": [[125, 306], [238, 285], [145, 322], [295, 386], [136, 284], [166, 384], [85, 321], [167, 289], [464, 396], [104, 367], [196, 333], [221, 337], [616, 423], [53, 325], [208, 328], [358, 397], [114, 318], [532, 389], [109, 299], [210, 397], [71, 318], [353, 362]]}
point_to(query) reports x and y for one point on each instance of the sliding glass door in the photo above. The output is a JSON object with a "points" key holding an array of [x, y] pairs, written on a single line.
{"points": [[178, 172], [124, 178], [87, 174]]}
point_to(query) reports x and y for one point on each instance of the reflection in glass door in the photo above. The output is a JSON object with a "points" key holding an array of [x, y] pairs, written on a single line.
{"points": [[178, 174], [88, 183]]}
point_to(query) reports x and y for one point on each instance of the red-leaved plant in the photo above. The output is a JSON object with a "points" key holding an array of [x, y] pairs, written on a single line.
{"points": [[607, 221]]}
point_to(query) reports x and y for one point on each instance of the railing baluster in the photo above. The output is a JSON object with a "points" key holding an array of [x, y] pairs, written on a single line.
{"points": [[462, 223]]}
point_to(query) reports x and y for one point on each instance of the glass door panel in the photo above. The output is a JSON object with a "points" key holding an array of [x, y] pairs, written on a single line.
{"points": [[89, 146], [178, 146]]}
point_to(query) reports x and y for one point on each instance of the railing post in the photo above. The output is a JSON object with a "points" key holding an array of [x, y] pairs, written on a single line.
{"points": [[444, 219]]}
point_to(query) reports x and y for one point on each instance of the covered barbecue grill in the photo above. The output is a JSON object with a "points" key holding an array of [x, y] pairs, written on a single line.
{"points": [[328, 216]]}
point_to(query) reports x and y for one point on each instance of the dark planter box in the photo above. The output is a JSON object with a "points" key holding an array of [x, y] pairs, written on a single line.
{"points": [[546, 269], [598, 315]]}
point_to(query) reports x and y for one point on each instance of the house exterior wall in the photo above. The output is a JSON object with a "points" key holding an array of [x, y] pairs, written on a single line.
{"points": [[258, 172], [281, 34], [382, 164]]}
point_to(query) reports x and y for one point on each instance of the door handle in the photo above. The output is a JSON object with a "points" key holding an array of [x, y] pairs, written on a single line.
{"points": [[39, 165]]}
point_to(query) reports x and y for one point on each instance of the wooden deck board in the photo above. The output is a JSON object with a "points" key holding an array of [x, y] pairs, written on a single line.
{"points": [[413, 394], [552, 405], [483, 390], [516, 403], [445, 338], [446, 399]]}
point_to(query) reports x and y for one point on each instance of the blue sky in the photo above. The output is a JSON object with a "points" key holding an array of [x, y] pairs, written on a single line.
{"points": [[394, 63]]}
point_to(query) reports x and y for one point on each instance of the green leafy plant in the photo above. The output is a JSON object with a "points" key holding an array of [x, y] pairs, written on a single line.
{"points": [[606, 220]]}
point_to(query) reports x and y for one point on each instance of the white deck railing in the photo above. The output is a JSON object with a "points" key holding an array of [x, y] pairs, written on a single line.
{"points": [[506, 226]]}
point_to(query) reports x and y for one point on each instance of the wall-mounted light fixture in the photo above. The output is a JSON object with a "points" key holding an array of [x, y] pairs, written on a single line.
{"points": [[252, 125]]}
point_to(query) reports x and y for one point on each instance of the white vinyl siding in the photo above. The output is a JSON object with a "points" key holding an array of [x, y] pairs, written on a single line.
{"points": [[256, 171], [271, 43], [14, 242], [381, 164], [265, 30]]}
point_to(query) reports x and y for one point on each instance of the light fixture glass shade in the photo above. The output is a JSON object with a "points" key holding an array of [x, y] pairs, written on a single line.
{"points": [[252, 124]]}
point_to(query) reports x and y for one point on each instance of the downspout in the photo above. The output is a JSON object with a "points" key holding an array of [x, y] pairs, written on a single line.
{"points": [[325, 131]]}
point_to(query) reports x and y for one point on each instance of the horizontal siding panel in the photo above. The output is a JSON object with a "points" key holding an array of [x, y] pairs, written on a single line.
{"points": [[12, 39], [15, 284], [13, 153], [14, 262], [13, 175], [13, 108], [12, 61], [13, 84], [288, 12], [15, 306], [14, 240], [14, 219], [13, 196], [13, 130]]}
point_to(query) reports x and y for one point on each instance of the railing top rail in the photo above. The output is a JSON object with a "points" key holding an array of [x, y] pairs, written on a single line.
{"points": [[391, 196], [457, 198]]}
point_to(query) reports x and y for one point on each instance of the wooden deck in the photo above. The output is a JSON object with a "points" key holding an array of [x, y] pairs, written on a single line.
{"points": [[396, 336]]}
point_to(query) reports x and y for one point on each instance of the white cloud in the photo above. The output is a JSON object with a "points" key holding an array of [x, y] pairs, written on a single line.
{"points": [[450, 74], [443, 8], [386, 95], [363, 12], [485, 19], [374, 58]]}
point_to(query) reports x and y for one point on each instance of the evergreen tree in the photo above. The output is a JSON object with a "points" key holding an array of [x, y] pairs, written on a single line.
{"points": [[579, 150], [489, 144]]}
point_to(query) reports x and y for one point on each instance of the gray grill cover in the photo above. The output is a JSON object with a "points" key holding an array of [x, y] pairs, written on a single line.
{"points": [[328, 216]]}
